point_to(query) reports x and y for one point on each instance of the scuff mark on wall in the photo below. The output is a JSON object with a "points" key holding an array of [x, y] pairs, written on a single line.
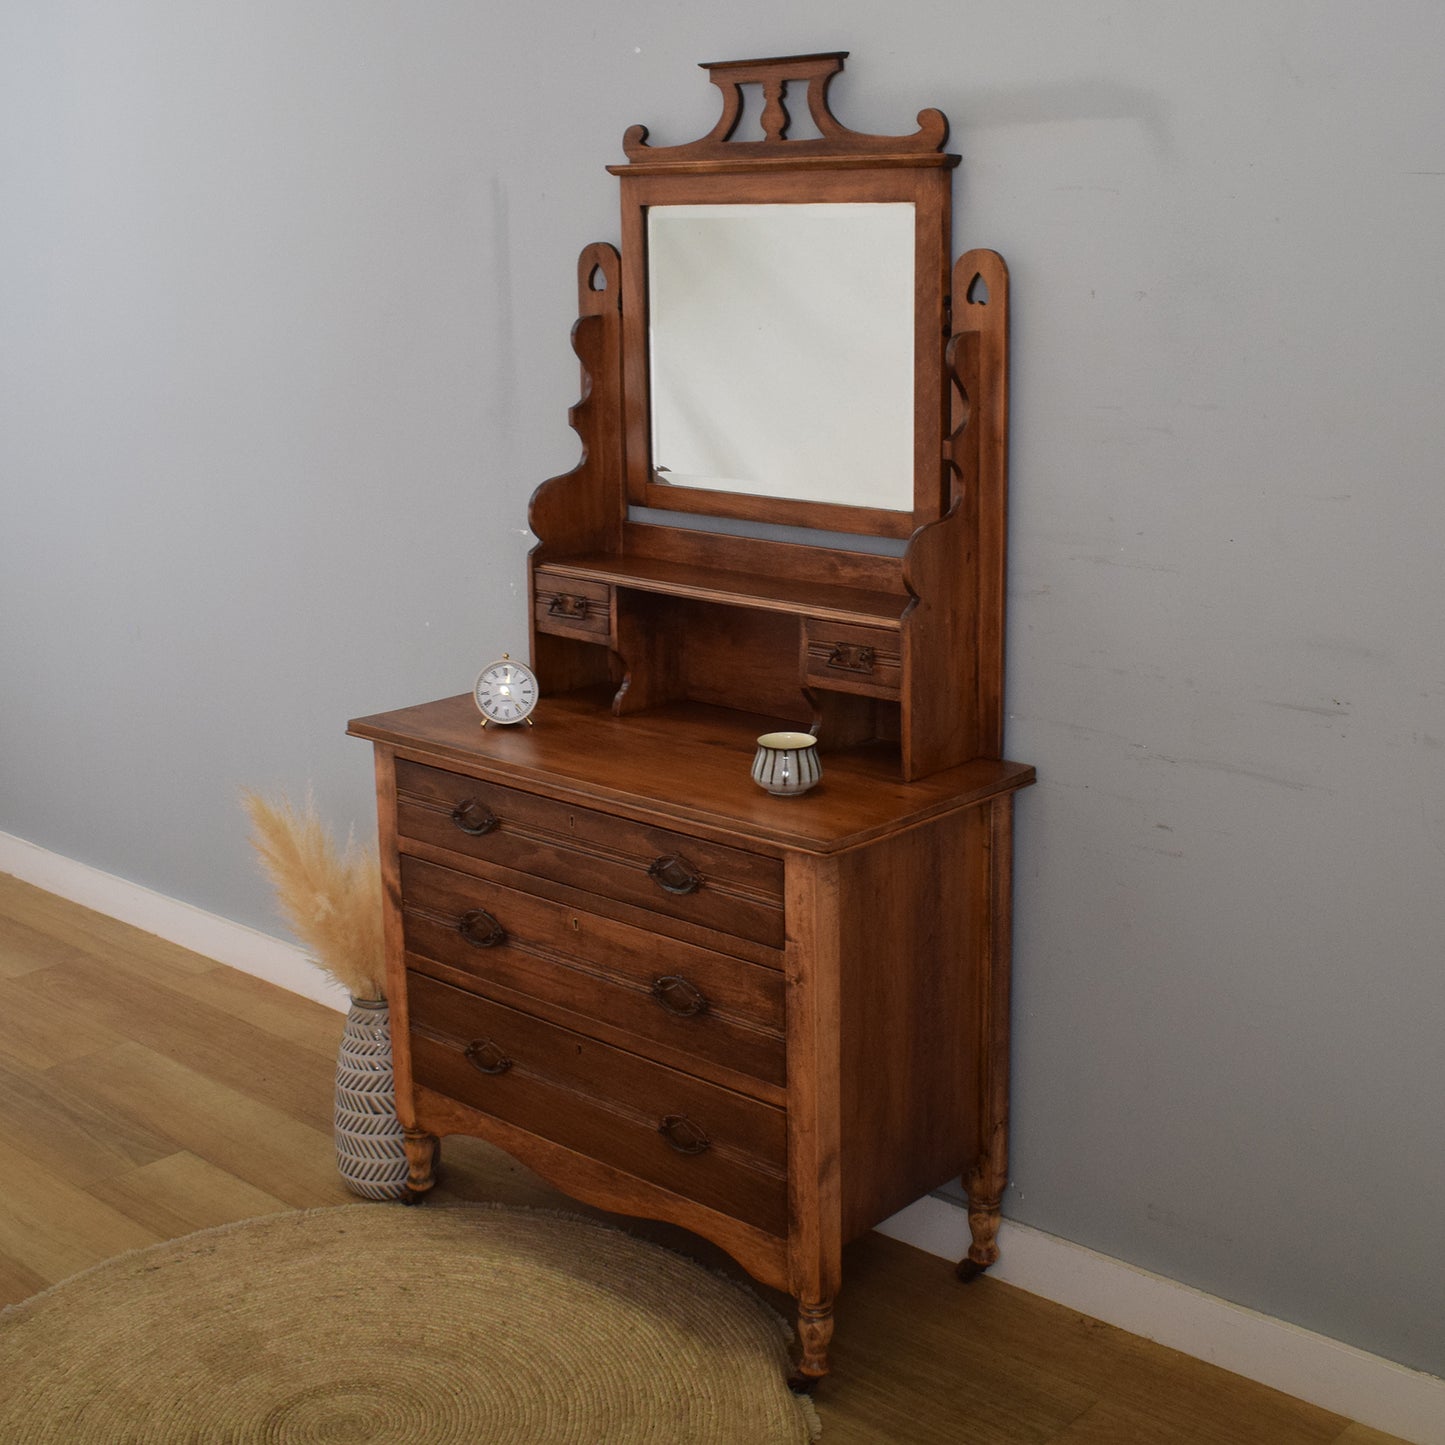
{"points": [[1333, 710], [1123, 562], [1235, 770]]}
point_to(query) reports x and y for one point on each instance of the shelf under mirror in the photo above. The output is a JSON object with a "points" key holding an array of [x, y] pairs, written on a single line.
{"points": [[715, 584]]}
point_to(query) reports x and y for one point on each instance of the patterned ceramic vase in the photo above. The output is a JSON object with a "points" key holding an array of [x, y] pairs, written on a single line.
{"points": [[786, 764], [369, 1138]]}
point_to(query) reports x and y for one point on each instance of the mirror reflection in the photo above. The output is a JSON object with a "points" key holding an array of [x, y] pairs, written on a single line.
{"points": [[781, 350]]}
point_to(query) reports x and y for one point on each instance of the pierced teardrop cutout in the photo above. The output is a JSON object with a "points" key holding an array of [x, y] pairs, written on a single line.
{"points": [[597, 280], [977, 294]]}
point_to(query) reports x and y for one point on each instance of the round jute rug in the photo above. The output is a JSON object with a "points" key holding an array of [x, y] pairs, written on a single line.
{"points": [[379, 1323]]}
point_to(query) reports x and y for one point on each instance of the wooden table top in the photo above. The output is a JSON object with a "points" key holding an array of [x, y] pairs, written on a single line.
{"points": [[687, 765]]}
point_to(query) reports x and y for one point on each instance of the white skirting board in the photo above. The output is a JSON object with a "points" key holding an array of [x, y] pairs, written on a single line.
{"points": [[205, 933], [1334, 1376], [1338, 1377]]}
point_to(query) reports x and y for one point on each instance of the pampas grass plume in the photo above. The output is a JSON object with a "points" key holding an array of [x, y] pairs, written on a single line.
{"points": [[330, 897]]}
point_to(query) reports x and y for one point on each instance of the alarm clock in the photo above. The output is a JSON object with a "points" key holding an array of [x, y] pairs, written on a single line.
{"points": [[506, 692]]}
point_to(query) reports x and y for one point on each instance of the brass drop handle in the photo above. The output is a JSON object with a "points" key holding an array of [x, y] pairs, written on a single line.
{"points": [[851, 657], [674, 874], [567, 604], [679, 997], [473, 816], [480, 929], [486, 1056], [683, 1134]]}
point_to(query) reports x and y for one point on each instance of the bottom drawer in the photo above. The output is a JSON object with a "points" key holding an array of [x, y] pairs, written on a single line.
{"points": [[722, 1149]]}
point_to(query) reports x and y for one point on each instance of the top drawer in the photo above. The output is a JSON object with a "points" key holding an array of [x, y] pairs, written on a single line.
{"points": [[849, 658], [705, 883], [572, 607]]}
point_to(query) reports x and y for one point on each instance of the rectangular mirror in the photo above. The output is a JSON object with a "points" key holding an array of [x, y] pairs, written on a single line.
{"points": [[780, 349], [785, 308]]}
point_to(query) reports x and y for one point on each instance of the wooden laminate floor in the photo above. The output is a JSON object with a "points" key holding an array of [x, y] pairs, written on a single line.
{"points": [[146, 1092]]}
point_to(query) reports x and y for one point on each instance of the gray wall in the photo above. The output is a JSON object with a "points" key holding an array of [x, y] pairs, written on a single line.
{"points": [[285, 290]]}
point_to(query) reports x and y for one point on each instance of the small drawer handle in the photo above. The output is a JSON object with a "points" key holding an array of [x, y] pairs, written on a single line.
{"points": [[683, 1134], [473, 816], [485, 1055], [679, 997], [567, 604], [851, 657], [674, 875], [480, 929]]}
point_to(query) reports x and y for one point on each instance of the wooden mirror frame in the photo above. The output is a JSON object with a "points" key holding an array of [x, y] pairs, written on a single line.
{"points": [[839, 165]]}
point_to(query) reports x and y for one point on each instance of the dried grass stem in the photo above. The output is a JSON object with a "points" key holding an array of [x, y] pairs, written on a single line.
{"points": [[330, 897]]}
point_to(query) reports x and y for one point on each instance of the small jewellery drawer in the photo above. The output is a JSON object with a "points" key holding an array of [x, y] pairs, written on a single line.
{"points": [[681, 1003], [705, 883], [849, 658], [709, 1144], [572, 607]]}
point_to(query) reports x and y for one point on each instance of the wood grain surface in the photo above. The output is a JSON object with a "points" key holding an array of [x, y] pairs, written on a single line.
{"points": [[695, 763]]}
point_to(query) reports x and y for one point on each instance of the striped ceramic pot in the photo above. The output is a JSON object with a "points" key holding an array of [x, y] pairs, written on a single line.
{"points": [[786, 764], [370, 1150]]}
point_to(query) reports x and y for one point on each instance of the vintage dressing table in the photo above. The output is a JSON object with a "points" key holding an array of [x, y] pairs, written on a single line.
{"points": [[774, 1021]]}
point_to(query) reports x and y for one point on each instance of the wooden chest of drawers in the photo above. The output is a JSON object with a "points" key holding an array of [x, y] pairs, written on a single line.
{"points": [[774, 1022]]}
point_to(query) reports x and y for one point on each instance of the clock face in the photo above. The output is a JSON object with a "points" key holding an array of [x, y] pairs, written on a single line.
{"points": [[506, 692]]}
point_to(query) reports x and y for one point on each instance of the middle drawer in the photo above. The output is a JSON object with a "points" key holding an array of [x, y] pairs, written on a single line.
{"points": [[682, 1003]]}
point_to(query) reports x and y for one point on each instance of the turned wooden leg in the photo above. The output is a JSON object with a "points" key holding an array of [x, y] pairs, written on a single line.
{"points": [[421, 1157], [983, 1218], [815, 1331]]}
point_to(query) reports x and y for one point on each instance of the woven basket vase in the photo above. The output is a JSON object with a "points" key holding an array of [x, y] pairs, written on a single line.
{"points": [[370, 1150]]}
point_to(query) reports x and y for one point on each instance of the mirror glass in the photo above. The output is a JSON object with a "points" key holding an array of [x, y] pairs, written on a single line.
{"points": [[782, 350]]}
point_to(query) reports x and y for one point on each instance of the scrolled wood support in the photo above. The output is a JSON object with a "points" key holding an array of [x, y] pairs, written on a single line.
{"points": [[583, 510], [975, 461], [977, 361], [983, 310]]}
